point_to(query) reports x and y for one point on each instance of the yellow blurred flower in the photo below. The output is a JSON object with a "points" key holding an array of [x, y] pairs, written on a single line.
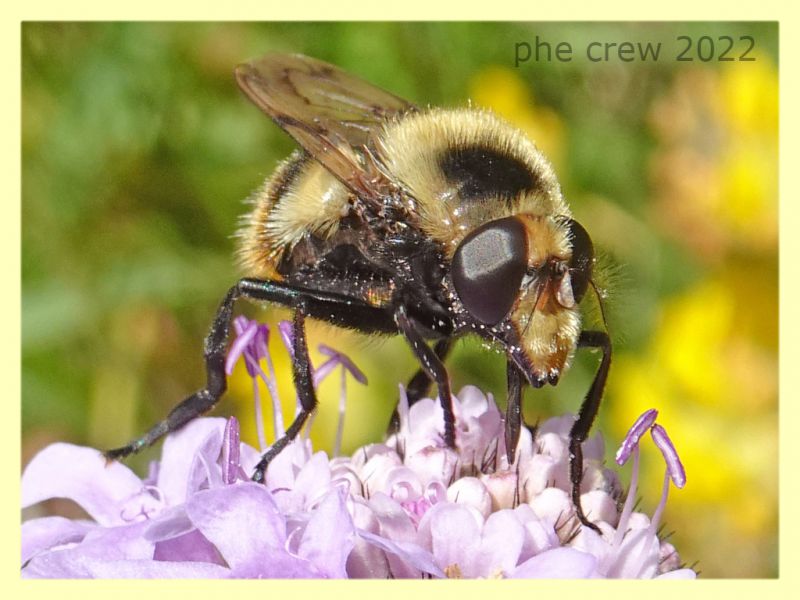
{"points": [[715, 387], [715, 172]]}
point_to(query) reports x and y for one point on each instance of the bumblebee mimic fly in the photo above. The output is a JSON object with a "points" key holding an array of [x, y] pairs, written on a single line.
{"points": [[429, 223]]}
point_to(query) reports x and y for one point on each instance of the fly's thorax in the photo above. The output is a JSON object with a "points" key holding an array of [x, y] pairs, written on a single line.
{"points": [[465, 167]]}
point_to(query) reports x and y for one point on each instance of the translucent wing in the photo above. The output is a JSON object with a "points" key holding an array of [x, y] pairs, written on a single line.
{"points": [[333, 115]]}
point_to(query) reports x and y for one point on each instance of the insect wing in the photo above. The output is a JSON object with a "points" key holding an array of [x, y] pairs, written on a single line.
{"points": [[333, 115]]}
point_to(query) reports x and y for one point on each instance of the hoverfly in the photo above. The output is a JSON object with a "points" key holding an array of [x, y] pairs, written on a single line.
{"points": [[393, 219]]}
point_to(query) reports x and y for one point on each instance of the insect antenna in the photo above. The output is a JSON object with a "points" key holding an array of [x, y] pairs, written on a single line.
{"points": [[600, 303]]}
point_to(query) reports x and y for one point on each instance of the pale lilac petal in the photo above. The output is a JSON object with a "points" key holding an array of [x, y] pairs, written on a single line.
{"points": [[471, 491], [188, 547], [242, 521], [365, 561], [473, 402], [60, 564], [180, 471], [248, 459], [284, 468], [452, 532], [538, 474], [637, 557], [329, 537], [397, 526], [502, 487], [676, 471], [379, 468], [635, 433], [98, 486], [425, 426], [249, 531], [433, 464], [668, 558], [311, 484], [171, 522], [99, 545], [558, 563], [154, 569], [678, 574], [539, 536], [39, 535], [561, 426], [231, 471], [594, 448], [553, 506], [394, 521], [410, 553], [401, 483], [501, 542], [599, 506]]}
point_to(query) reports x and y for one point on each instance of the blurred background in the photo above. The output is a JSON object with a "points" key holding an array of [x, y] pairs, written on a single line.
{"points": [[138, 150]]}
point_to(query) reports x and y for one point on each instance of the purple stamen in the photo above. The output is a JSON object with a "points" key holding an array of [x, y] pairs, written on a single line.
{"points": [[674, 466], [262, 438], [324, 370], [230, 451], [630, 500], [338, 359], [286, 329], [337, 446], [661, 504], [635, 433], [345, 361], [244, 335], [402, 409]]}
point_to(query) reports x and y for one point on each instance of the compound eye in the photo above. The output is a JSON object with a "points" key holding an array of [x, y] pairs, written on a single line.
{"points": [[582, 261], [488, 268]]}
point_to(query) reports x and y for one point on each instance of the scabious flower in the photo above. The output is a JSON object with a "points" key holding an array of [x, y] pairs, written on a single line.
{"points": [[407, 508]]}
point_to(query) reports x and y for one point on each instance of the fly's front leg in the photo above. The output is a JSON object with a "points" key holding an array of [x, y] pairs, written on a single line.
{"points": [[303, 383], [586, 415], [419, 385], [513, 409], [433, 367], [214, 351]]}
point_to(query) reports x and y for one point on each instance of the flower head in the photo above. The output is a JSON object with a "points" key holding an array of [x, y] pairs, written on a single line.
{"points": [[409, 507]]}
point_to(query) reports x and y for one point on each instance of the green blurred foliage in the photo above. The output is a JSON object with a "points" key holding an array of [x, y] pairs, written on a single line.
{"points": [[138, 150]]}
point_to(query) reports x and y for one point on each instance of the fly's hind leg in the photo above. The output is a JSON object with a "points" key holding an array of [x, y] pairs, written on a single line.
{"points": [[586, 415]]}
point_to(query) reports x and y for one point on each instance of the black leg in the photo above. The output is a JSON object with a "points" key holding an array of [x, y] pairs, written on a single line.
{"points": [[202, 400], [419, 385], [303, 383], [513, 409], [588, 411], [433, 366], [334, 307]]}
